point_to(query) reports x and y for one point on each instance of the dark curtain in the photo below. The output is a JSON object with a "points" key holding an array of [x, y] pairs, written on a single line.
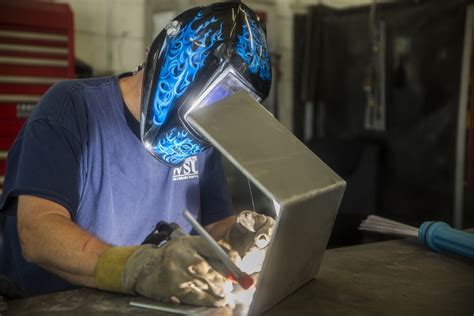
{"points": [[414, 163]]}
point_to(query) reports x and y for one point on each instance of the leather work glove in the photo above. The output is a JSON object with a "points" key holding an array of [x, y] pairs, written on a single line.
{"points": [[250, 236], [177, 271]]}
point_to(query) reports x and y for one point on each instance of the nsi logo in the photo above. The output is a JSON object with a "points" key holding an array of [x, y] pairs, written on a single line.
{"points": [[187, 170]]}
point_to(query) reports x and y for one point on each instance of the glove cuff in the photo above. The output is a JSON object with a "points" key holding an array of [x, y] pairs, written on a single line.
{"points": [[110, 266]]}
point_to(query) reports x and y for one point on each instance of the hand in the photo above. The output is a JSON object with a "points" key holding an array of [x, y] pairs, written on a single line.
{"points": [[177, 271], [250, 236]]}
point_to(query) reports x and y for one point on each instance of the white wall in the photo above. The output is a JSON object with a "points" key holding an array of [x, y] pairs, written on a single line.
{"points": [[109, 34]]}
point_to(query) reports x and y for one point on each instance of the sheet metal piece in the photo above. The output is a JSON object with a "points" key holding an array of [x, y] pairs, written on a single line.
{"points": [[462, 121], [307, 191]]}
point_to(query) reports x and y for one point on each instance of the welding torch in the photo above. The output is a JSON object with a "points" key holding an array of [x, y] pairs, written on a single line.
{"points": [[165, 231], [235, 274]]}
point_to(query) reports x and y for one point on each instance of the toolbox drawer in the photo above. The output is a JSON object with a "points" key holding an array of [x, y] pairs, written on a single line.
{"points": [[11, 127], [3, 161], [3, 165], [6, 142], [36, 50]]}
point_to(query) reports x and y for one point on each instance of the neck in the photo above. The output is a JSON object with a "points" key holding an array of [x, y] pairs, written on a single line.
{"points": [[131, 89]]}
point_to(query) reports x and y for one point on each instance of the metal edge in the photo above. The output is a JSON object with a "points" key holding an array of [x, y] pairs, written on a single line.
{"points": [[34, 35], [32, 61], [19, 98], [462, 113], [33, 49], [29, 79]]}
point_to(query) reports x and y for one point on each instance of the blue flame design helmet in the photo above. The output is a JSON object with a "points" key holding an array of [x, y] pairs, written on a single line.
{"points": [[202, 56]]}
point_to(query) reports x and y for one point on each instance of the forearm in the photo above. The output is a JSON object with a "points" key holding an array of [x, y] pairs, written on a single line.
{"points": [[78, 279], [58, 245], [73, 256]]}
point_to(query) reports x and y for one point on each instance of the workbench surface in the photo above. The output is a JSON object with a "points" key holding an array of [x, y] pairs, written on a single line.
{"points": [[397, 277]]}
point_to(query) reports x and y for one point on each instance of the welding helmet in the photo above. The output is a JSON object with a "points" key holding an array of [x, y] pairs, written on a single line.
{"points": [[202, 56]]}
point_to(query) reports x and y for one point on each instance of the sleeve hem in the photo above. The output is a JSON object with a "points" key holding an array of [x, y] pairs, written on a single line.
{"points": [[41, 193]]}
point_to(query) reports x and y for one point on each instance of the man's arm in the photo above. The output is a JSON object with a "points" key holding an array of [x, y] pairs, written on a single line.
{"points": [[50, 239]]}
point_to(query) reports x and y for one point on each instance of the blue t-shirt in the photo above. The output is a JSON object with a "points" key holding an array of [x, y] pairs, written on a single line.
{"points": [[81, 148]]}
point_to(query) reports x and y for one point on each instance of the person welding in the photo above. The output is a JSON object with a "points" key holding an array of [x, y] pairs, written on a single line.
{"points": [[101, 161]]}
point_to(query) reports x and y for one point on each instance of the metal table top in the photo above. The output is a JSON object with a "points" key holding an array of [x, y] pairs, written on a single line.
{"points": [[398, 277]]}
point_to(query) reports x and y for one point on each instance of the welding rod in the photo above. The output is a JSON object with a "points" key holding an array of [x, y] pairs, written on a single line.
{"points": [[242, 278]]}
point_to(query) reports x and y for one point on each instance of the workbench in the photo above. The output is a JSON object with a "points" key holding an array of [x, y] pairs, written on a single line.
{"points": [[397, 277]]}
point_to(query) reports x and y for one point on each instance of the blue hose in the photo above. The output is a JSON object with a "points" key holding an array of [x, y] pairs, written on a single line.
{"points": [[439, 236]]}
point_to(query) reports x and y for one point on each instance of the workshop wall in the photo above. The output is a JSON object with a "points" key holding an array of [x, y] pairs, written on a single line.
{"points": [[109, 34]]}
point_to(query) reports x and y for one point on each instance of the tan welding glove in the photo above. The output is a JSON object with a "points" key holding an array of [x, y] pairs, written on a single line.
{"points": [[250, 236], [177, 271]]}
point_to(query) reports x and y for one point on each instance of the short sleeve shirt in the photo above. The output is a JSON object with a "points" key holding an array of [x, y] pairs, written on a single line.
{"points": [[80, 148]]}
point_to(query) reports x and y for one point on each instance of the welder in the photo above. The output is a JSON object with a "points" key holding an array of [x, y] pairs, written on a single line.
{"points": [[101, 161]]}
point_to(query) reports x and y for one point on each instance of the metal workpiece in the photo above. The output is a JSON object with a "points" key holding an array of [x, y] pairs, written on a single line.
{"points": [[464, 95], [297, 247], [264, 149], [306, 192]]}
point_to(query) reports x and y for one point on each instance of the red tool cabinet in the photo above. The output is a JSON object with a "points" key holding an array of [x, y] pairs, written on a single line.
{"points": [[36, 50]]}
